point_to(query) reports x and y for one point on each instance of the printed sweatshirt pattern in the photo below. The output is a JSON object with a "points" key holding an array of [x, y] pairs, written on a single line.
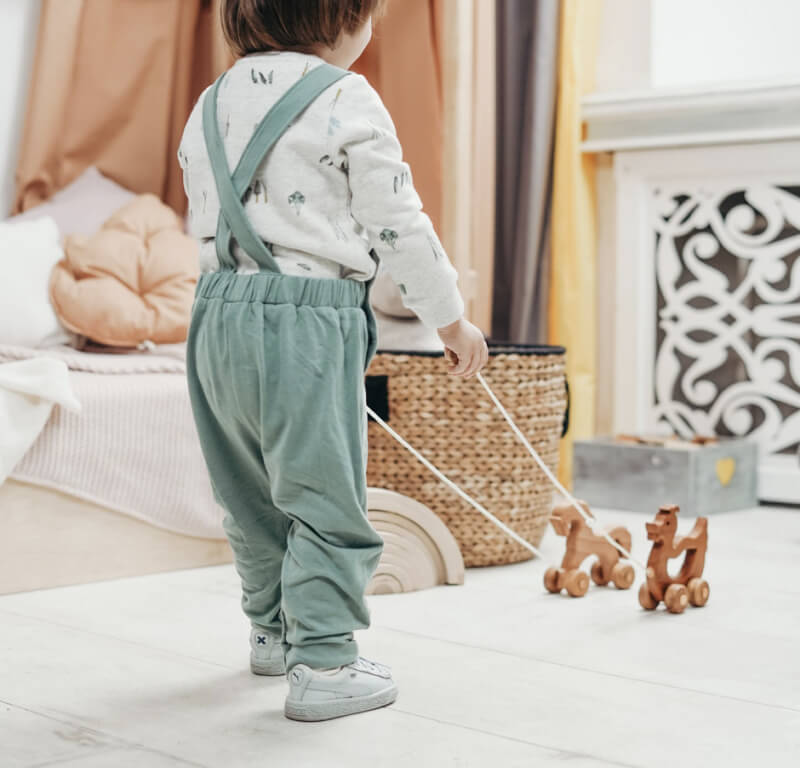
{"points": [[333, 187]]}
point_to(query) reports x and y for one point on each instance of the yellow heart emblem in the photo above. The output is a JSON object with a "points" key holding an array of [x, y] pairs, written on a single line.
{"points": [[726, 468]]}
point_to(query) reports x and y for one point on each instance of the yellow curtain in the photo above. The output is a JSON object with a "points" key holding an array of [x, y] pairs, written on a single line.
{"points": [[112, 86], [574, 241]]}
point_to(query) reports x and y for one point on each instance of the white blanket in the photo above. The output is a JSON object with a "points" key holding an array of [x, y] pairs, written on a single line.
{"points": [[28, 391]]}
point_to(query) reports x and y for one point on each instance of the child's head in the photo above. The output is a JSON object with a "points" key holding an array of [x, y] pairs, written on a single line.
{"points": [[337, 30]]}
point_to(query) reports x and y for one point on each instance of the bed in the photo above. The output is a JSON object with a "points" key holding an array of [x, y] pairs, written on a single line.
{"points": [[121, 489], [52, 538], [118, 489]]}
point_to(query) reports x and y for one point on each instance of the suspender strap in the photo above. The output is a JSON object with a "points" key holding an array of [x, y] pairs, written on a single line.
{"points": [[231, 214], [233, 221]]}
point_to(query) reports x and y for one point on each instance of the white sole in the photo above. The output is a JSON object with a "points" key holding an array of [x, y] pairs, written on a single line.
{"points": [[327, 710], [271, 668]]}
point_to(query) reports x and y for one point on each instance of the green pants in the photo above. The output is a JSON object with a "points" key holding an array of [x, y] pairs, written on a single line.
{"points": [[275, 366]]}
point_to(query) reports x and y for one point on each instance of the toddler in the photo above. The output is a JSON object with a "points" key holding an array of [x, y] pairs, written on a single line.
{"points": [[297, 189]]}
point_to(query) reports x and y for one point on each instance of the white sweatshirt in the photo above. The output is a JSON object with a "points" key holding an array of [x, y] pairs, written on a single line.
{"points": [[333, 187]]}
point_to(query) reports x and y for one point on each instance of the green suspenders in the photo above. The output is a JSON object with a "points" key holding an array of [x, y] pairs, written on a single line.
{"points": [[233, 222]]}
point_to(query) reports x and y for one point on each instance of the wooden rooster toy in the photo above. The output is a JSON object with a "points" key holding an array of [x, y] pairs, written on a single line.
{"points": [[582, 542], [687, 586]]}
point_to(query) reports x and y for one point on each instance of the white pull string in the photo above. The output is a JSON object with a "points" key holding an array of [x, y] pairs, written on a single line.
{"points": [[554, 480], [450, 484]]}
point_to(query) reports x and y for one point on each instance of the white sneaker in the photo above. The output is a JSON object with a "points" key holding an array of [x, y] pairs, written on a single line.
{"points": [[322, 694], [266, 654]]}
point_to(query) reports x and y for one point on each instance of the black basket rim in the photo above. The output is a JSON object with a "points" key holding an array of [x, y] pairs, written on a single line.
{"points": [[496, 347]]}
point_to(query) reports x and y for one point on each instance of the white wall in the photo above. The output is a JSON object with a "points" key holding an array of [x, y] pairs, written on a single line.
{"points": [[623, 47], [716, 41], [684, 43], [18, 24]]}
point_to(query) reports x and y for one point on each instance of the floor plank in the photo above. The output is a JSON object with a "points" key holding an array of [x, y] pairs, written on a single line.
{"points": [[152, 671]]}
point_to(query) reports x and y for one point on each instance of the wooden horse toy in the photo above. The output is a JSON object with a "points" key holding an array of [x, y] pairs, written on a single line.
{"points": [[582, 542], [687, 586]]}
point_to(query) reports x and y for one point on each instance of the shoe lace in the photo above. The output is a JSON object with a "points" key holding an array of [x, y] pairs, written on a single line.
{"points": [[371, 666]]}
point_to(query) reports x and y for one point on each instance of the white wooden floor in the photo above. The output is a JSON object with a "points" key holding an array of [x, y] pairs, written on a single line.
{"points": [[152, 672]]}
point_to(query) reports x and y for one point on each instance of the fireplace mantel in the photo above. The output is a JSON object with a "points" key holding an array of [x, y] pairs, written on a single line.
{"points": [[699, 266], [704, 116]]}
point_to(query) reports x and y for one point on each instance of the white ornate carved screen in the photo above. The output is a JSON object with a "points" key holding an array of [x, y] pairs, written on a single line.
{"points": [[708, 298]]}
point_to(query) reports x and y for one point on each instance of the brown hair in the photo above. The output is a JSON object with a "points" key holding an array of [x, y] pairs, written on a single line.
{"points": [[251, 26]]}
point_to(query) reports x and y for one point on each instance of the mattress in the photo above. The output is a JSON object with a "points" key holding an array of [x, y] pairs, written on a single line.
{"points": [[134, 447]]}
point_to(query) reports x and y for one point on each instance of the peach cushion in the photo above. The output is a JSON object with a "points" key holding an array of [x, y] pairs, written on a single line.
{"points": [[133, 281]]}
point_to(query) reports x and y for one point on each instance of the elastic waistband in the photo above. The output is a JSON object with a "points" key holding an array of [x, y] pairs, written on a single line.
{"points": [[275, 288]]}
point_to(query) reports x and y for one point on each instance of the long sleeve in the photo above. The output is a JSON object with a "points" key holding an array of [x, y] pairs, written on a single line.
{"points": [[385, 203]]}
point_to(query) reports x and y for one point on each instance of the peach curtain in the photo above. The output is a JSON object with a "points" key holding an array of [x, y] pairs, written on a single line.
{"points": [[402, 64], [574, 235], [112, 86], [433, 62], [466, 31], [484, 161]]}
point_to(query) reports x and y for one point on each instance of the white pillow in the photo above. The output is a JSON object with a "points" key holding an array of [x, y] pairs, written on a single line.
{"points": [[82, 206], [28, 252]]}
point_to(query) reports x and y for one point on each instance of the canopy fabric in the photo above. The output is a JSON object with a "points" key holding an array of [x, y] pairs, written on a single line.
{"points": [[112, 86]]}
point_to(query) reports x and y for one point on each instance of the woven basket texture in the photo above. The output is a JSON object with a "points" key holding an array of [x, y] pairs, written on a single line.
{"points": [[454, 424]]}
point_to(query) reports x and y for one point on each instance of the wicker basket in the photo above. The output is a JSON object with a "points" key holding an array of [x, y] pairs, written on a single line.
{"points": [[455, 425]]}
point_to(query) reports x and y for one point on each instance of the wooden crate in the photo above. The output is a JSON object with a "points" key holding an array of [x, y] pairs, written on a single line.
{"points": [[700, 479]]}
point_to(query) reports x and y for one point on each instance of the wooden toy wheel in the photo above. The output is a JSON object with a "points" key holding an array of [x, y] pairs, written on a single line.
{"points": [[622, 575], [551, 577], [676, 598], [698, 592], [646, 600], [599, 576], [577, 583]]}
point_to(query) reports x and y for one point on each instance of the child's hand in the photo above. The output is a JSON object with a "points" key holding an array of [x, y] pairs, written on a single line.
{"points": [[465, 347]]}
